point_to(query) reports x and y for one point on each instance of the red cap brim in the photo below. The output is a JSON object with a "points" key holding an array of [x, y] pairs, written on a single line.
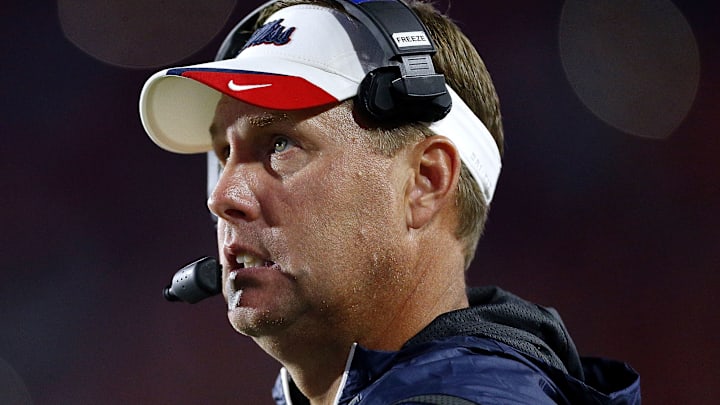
{"points": [[278, 92]]}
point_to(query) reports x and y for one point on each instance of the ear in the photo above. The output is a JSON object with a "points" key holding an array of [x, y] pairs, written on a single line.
{"points": [[435, 174]]}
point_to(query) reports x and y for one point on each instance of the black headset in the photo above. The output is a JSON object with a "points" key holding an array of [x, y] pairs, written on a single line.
{"points": [[407, 89]]}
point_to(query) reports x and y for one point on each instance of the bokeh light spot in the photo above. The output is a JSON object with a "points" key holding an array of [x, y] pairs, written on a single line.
{"points": [[634, 64], [142, 33]]}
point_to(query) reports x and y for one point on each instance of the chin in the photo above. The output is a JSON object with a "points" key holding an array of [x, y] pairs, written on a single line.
{"points": [[255, 322]]}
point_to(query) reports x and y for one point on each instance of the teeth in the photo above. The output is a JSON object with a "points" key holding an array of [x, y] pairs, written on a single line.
{"points": [[248, 260]]}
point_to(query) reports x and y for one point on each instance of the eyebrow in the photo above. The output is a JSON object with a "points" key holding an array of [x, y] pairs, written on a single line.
{"points": [[261, 120]]}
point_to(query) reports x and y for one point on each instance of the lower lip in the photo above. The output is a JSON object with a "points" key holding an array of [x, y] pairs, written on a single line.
{"points": [[241, 278], [243, 275], [241, 272]]}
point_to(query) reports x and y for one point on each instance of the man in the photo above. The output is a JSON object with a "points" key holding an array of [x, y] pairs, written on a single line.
{"points": [[344, 234]]}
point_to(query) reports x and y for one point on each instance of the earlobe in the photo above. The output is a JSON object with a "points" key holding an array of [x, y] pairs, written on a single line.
{"points": [[436, 170]]}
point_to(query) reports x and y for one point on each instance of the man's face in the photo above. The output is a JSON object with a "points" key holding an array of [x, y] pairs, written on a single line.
{"points": [[311, 226]]}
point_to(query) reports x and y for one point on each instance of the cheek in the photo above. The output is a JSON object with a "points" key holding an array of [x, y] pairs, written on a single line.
{"points": [[220, 235], [348, 214]]}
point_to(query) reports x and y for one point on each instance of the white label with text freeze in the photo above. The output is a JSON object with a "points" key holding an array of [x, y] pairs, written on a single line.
{"points": [[413, 38]]}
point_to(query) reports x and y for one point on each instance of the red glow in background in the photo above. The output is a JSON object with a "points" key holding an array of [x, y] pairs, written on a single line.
{"points": [[608, 207]]}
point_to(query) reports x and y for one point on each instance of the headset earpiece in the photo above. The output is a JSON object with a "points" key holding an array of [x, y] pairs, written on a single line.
{"points": [[387, 97], [407, 88], [374, 97]]}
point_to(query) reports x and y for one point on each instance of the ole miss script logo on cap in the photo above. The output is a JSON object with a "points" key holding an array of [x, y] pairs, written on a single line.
{"points": [[271, 33]]}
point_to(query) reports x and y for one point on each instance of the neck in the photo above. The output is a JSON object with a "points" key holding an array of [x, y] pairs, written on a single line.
{"points": [[315, 353], [434, 284], [315, 367], [428, 299]]}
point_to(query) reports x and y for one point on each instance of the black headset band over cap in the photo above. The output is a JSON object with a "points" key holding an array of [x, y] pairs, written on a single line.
{"points": [[407, 88]]}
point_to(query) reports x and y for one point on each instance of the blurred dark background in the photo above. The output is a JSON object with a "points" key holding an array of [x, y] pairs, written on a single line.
{"points": [[608, 208]]}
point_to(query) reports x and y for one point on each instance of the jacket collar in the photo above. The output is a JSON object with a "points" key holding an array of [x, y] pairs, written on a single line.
{"points": [[362, 368]]}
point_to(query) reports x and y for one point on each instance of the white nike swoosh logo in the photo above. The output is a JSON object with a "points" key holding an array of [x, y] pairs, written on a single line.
{"points": [[242, 87]]}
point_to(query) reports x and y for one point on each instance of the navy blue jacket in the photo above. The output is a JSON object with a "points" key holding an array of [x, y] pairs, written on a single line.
{"points": [[501, 350]]}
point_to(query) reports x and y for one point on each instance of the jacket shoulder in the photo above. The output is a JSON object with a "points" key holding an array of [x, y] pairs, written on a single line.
{"points": [[463, 370]]}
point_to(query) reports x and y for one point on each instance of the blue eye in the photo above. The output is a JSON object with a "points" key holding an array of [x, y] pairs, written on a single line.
{"points": [[281, 144]]}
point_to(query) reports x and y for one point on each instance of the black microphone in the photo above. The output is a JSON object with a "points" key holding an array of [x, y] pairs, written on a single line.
{"points": [[195, 282]]}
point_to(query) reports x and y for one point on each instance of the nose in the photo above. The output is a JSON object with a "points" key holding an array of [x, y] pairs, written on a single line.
{"points": [[233, 198]]}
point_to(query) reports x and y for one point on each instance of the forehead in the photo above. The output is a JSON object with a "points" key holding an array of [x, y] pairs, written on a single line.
{"points": [[230, 113]]}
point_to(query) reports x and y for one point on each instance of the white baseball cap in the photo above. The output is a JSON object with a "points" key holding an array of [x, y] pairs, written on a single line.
{"points": [[304, 56]]}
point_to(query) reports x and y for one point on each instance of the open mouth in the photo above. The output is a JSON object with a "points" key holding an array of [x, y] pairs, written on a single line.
{"points": [[247, 261], [233, 289]]}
